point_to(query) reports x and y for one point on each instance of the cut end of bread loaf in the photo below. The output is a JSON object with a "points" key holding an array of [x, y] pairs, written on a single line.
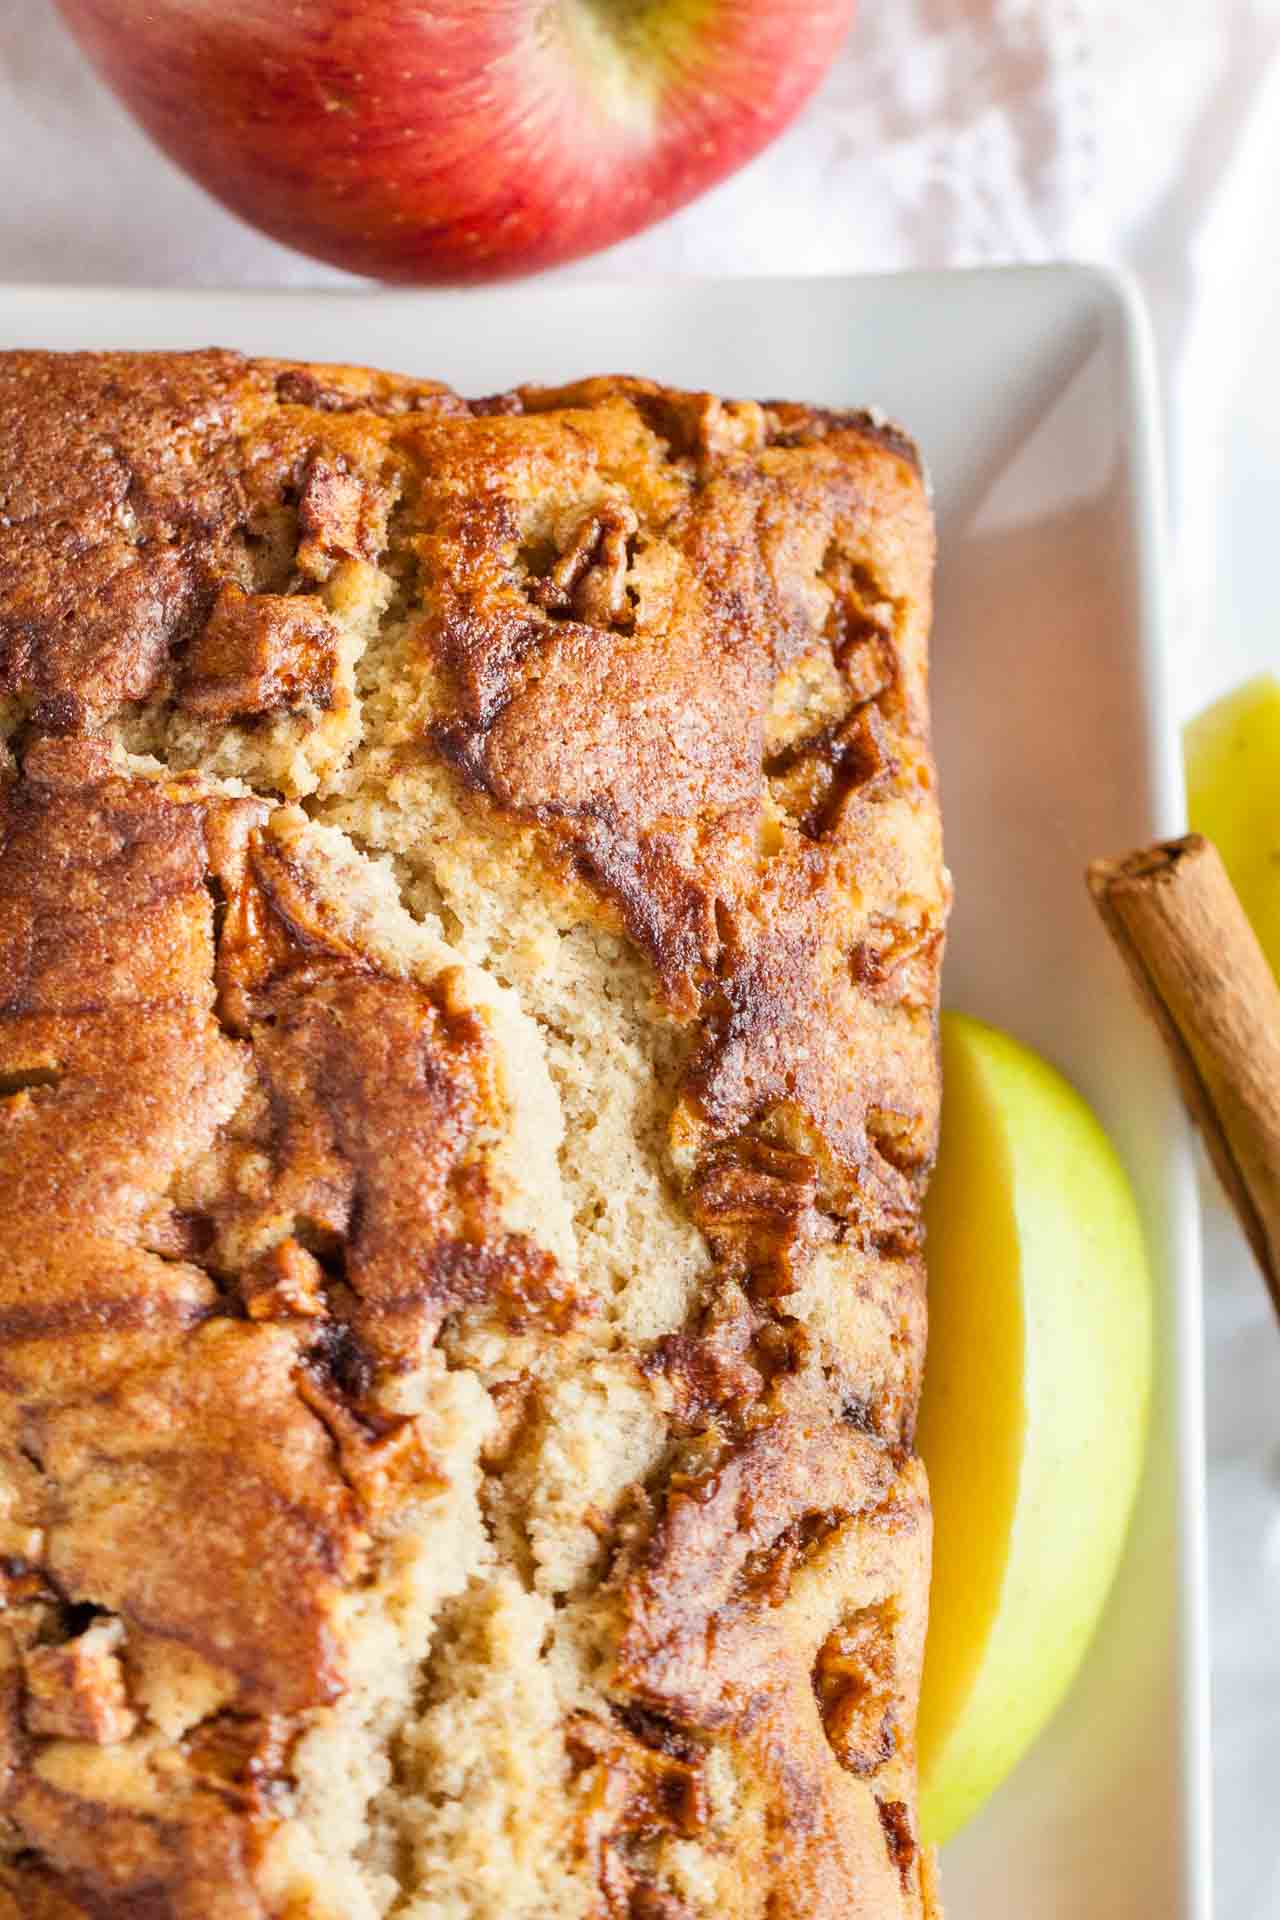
{"points": [[471, 905]]}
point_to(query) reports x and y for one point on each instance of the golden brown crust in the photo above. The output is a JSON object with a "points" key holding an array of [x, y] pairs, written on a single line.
{"points": [[720, 1636], [260, 653], [664, 656], [131, 487]]}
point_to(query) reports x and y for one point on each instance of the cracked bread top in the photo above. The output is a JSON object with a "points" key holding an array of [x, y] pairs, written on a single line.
{"points": [[471, 905]]}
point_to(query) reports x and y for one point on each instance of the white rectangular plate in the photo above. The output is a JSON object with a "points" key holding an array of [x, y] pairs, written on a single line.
{"points": [[1030, 393]]}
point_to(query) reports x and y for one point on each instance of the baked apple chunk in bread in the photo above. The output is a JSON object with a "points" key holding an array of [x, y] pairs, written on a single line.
{"points": [[471, 904]]}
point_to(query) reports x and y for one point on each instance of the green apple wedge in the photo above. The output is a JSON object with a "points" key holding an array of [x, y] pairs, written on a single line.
{"points": [[1233, 797], [1034, 1413]]}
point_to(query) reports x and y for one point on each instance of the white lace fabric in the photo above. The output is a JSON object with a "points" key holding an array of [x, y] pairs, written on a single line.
{"points": [[948, 133]]}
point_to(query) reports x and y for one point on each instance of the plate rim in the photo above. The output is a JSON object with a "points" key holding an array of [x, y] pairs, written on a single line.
{"points": [[1147, 508]]}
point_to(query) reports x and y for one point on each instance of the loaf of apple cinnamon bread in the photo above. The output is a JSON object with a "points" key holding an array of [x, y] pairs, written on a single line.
{"points": [[471, 903]]}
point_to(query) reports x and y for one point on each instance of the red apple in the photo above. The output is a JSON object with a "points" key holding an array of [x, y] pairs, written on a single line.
{"points": [[465, 139]]}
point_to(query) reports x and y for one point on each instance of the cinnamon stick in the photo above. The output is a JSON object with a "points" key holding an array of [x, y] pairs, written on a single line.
{"points": [[1196, 960]]}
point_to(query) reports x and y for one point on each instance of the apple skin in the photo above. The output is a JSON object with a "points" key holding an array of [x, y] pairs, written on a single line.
{"points": [[466, 139], [1233, 797], [1034, 1414]]}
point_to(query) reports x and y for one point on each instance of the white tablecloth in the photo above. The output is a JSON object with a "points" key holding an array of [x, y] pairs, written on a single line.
{"points": [[950, 131]]}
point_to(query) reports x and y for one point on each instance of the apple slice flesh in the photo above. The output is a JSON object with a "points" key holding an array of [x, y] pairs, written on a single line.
{"points": [[1034, 1411], [1233, 797]]}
